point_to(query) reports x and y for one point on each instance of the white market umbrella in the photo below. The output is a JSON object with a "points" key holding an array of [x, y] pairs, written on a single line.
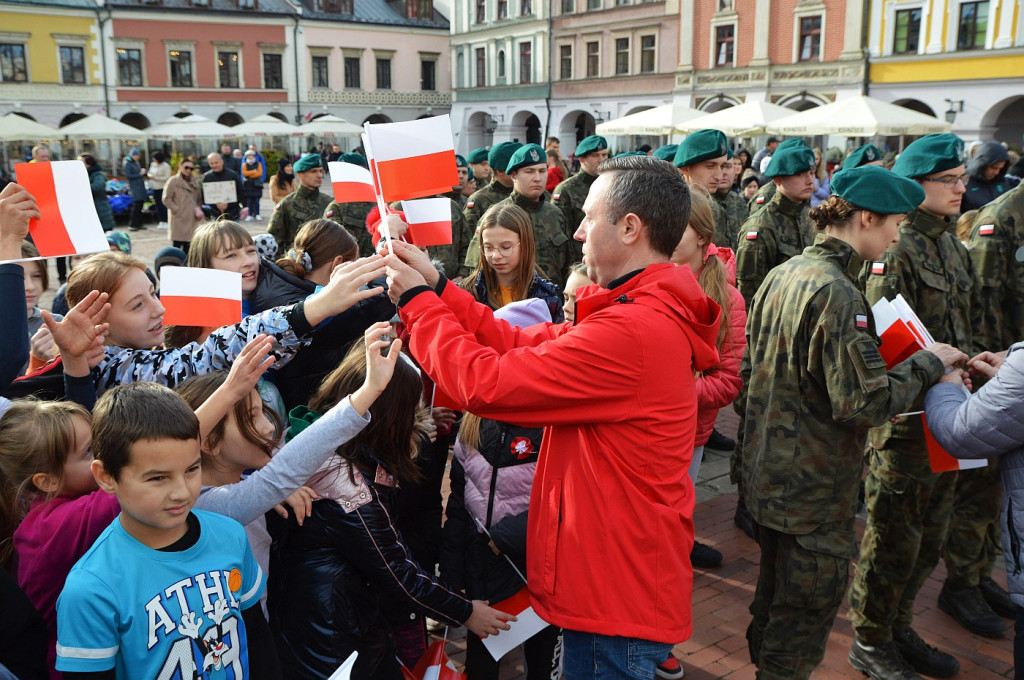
{"points": [[98, 126], [17, 128], [330, 126], [267, 126], [190, 127], [860, 116], [745, 120], [661, 120]]}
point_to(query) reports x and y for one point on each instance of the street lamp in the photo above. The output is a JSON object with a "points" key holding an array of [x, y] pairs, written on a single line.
{"points": [[955, 106]]}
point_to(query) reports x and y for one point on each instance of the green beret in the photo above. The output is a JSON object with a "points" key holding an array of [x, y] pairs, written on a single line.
{"points": [[307, 162], [529, 154], [477, 155], [666, 153], [460, 162], [791, 161], [591, 144], [500, 154], [354, 159], [874, 188], [930, 154], [869, 153], [630, 153], [700, 146], [790, 143], [470, 173]]}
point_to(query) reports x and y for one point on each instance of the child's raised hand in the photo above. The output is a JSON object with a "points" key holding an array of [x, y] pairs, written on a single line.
{"points": [[41, 344], [79, 336], [301, 503], [17, 207], [345, 288], [250, 364], [486, 620], [379, 368]]}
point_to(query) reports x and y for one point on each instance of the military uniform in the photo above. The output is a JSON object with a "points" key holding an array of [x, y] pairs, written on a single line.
{"points": [[768, 238], [909, 505], [815, 382], [457, 197], [569, 197], [734, 214], [352, 216], [761, 198], [293, 211], [550, 235]]}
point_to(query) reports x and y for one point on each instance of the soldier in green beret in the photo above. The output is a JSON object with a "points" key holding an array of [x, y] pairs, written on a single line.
{"points": [[477, 160], [814, 384], [702, 158], [352, 216], [733, 206], [528, 170], [767, 190], [666, 153], [499, 188], [462, 167], [570, 194], [869, 154], [909, 505], [304, 204]]}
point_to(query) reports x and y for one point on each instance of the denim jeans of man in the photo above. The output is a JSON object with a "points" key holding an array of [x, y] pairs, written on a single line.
{"points": [[589, 656]]}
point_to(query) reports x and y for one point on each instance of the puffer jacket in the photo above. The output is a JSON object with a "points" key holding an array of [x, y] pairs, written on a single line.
{"points": [[988, 425], [98, 186], [491, 484], [979, 190], [542, 289], [329, 574]]}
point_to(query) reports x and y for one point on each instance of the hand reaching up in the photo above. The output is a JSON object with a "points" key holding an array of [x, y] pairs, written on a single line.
{"points": [[345, 288], [380, 366], [80, 335]]}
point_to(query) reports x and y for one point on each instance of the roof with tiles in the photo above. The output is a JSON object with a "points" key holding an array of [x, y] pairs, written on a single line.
{"points": [[387, 12]]}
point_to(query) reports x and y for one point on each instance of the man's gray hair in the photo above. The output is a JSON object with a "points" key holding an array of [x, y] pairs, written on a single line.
{"points": [[654, 191]]}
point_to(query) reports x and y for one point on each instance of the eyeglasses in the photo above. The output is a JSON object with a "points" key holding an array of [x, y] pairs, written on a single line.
{"points": [[504, 248], [949, 181]]}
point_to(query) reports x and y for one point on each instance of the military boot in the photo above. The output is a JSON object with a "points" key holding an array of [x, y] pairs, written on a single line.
{"points": [[971, 611], [921, 656], [880, 662], [997, 598]]}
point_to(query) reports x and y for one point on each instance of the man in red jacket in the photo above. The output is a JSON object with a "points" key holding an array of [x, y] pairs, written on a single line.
{"points": [[611, 513]]}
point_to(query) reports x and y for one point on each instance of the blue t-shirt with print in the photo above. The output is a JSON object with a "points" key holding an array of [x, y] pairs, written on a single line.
{"points": [[162, 615]]}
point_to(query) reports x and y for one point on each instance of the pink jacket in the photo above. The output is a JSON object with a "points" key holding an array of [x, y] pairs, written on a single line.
{"points": [[719, 386]]}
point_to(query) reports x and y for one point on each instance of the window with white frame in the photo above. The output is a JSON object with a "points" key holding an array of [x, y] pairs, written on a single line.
{"points": [[972, 29], [809, 45], [621, 56], [228, 69], [593, 59], [72, 64], [724, 45], [648, 53], [273, 70], [525, 62], [180, 66], [13, 63], [565, 61], [906, 37], [129, 65]]}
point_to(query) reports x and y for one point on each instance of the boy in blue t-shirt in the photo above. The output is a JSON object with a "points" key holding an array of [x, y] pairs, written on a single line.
{"points": [[165, 591]]}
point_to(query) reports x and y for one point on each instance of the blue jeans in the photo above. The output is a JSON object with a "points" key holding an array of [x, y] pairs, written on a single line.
{"points": [[589, 656]]}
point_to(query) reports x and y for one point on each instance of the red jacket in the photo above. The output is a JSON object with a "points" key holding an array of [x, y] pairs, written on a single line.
{"points": [[611, 513]]}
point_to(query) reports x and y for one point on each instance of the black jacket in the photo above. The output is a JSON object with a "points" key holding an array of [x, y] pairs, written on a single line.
{"points": [[328, 579], [979, 190]]}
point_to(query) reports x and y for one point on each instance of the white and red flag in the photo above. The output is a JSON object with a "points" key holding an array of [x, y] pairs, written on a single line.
{"points": [[898, 342], [68, 224], [433, 665], [194, 296], [412, 159], [351, 183], [526, 625], [429, 220]]}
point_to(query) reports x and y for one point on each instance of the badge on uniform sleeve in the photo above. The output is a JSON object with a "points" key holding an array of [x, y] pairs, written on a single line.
{"points": [[759, 200], [878, 267], [470, 204], [329, 213], [751, 235], [862, 321], [986, 230], [554, 197]]}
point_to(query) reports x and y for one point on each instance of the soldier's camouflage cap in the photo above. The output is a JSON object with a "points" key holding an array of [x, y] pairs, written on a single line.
{"points": [[307, 162], [478, 155], [930, 154], [874, 188], [666, 153], [500, 154], [529, 154], [791, 161], [701, 146], [354, 159], [869, 153], [591, 144]]}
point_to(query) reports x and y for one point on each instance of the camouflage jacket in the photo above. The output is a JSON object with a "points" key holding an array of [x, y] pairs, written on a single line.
{"points": [[476, 206], [997, 250], [761, 198], [933, 272], [734, 212], [456, 195], [569, 197], [550, 236], [814, 383], [768, 238], [352, 216], [292, 212]]}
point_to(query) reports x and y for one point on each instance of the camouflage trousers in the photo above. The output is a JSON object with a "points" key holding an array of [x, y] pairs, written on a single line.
{"points": [[973, 537], [906, 527], [798, 594]]}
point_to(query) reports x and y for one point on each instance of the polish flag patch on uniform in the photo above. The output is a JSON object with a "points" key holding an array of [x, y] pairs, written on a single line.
{"points": [[329, 213], [554, 197], [470, 204], [759, 200], [877, 267], [986, 230], [751, 235], [862, 321]]}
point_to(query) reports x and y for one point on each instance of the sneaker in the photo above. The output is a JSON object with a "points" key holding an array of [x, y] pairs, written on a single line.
{"points": [[743, 519], [880, 662], [921, 656], [259, 218], [998, 598], [719, 443], [971, 611], [161, 225], [248, 218], [669, 669], [704, 556]]}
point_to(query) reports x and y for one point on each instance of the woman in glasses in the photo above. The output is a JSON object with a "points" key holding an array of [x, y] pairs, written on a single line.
{"points": [[508, 270], [183, 201]]}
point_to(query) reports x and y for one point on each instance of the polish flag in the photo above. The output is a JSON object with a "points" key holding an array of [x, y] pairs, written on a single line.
{"points": [[986, 230], [939, 458], [344, 671], [527, 625], [898, 342], [193, 296], [68, 224], [351, 183], [915, 324], [433, 665], [413, 159], [429, 220]]}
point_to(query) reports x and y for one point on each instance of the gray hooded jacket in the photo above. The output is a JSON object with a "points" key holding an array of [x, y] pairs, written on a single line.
{"points": [[979, 190]]}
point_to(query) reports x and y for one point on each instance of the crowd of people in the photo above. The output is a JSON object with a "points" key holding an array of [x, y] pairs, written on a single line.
{"points": [[264, 498]]}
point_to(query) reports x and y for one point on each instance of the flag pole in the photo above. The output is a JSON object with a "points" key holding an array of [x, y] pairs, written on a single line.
{"points": [[510, 563], [382, 207]]}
